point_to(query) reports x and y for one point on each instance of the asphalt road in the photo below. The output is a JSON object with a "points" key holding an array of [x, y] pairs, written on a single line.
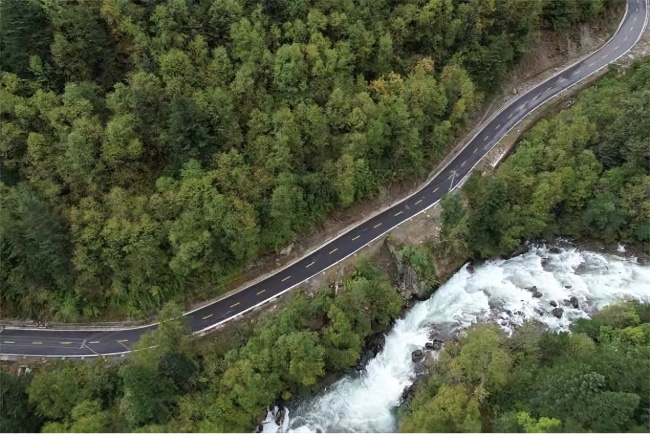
{"points": [[86, 343]]}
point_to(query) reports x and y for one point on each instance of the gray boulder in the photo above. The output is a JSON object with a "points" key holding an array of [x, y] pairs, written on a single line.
{"points": [[433, 346], [417, 356], [410, 285], [535, 291], [376, 343]]}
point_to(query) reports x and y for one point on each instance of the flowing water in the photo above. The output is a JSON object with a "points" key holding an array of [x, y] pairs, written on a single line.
{"points": [[495, 291]]}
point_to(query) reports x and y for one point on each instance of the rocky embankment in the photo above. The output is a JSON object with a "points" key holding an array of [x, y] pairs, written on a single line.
{"points": [[412, 288], [410, 285]]}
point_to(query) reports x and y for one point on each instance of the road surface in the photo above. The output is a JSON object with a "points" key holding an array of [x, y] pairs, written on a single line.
{"points": [[86, 343]]}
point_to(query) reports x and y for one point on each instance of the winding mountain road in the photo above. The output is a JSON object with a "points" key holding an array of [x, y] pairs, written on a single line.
{"points": [[90, 343]]}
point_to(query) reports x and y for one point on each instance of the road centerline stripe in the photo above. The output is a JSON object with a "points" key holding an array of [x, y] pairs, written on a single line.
{"points": [[208, 316], [93, 342], [9, 342], [418, 201], [236, 304], [436, 189], [65, 343], [313, 262], [485, 139], [261, 292], [333, 250], [376, 226], [463, 163], [358, 236], [475, 149], [122, 340], [286, 278], [497, 127], [37, 343], [398, 213]]}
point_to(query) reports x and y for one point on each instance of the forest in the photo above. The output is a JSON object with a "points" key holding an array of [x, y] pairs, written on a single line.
{"points": [[222, 384], [589, 380], [583, 173], [150, 150]]}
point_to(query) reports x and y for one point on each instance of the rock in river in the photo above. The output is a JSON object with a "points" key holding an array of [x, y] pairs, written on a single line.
{"points": [[535, 291], [376, 343], [417, 356]]}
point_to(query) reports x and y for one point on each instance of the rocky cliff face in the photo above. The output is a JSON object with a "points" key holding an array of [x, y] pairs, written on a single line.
{"points": [[410, 285]]}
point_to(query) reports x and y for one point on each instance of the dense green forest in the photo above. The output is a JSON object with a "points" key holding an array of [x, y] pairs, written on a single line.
{"points": [[591, 380], [149, 150], [584, 173], [220, 385]]}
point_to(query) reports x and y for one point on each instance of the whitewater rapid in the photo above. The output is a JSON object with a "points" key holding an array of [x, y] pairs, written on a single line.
{"points": [[495, 291]]}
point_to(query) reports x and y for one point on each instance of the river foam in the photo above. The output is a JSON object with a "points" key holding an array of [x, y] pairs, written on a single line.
{"points": [[495, 291]]}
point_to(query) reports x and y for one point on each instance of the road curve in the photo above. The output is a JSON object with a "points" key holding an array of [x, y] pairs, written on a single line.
{"points": [[87, 343]]}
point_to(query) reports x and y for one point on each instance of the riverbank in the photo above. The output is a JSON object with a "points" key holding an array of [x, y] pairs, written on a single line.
{"points": [[530, 382], [538, 286]]}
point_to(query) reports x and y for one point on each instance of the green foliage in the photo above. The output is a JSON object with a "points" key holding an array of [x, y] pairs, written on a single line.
{"points": [[146, 395], [492, 384], [17, 414], [35, 251], [581, 173], [55, 393], [170, 144], [24, 31], [421, 260]]}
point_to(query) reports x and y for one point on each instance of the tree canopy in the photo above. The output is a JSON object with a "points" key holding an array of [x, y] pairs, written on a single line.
{"points": [[542, 381]]}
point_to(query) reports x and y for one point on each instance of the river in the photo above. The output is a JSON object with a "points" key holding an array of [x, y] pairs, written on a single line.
{"points": [[494, 291]]}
